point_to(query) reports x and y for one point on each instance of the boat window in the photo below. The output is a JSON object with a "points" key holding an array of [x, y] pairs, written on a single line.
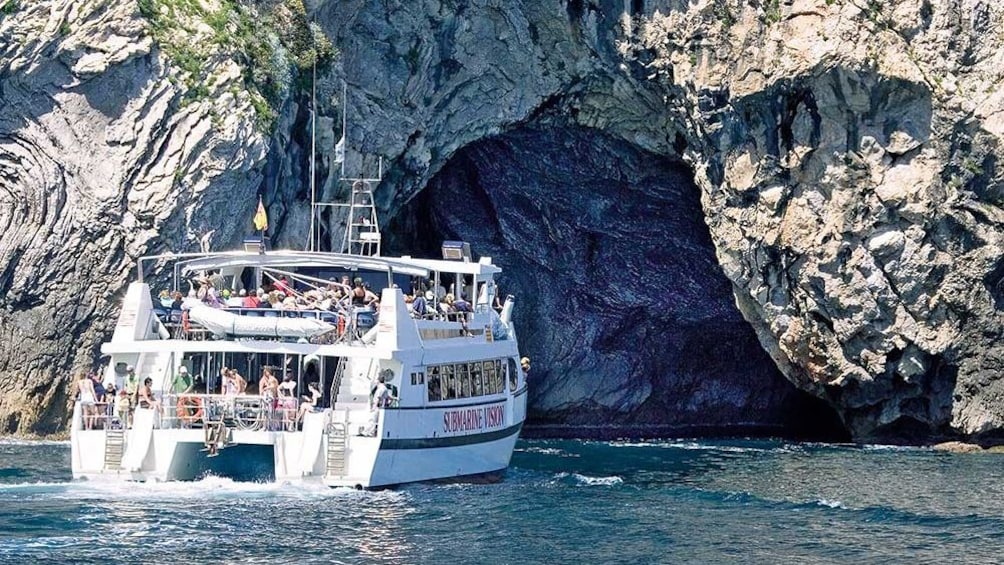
{"points": [[489, 368], [434, 385], [464, 380], [477, 388], [513, 374], [418, 378], [499, 377], [450, 383]]}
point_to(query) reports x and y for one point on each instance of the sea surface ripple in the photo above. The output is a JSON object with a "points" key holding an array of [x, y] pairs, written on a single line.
{"points": [[744, 501]]}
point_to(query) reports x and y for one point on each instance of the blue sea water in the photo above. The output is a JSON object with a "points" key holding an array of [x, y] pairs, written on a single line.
{"points": [[561, 502]]}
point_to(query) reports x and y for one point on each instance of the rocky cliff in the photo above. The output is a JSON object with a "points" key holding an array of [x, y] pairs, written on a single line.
{"points": [[640, 168]]}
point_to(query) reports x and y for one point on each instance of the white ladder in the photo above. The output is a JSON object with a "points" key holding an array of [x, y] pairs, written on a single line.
{"points": [[362, 228], [334, 461], [114, 447]]}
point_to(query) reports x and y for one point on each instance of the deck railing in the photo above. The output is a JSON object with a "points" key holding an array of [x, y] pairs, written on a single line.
{"points": [[184, 411]]}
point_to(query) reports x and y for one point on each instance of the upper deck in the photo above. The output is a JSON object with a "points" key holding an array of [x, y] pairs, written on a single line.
{"points": [[297, 301]]}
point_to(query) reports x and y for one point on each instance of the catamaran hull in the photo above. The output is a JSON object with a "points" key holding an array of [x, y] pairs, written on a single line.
{"points": [[181, 455], [403, 461]]}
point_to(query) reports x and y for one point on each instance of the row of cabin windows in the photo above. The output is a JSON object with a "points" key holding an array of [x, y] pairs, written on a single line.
{"points": [[465, 380]]}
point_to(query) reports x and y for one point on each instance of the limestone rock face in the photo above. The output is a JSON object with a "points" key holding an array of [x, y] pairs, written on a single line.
{"points": [[101, 161], [848, 155], [844, 155]]}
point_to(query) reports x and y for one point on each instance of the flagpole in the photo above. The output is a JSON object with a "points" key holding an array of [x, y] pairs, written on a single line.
{"points": [[313, 154]]}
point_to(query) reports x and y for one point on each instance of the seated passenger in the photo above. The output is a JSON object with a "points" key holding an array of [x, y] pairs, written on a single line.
{"points": [[236, 301], [420, 306], [446, 304], [250, 300], [309, 402], [165, 299], [146, 397], [179, 299], [462, 305], [282, 285]]}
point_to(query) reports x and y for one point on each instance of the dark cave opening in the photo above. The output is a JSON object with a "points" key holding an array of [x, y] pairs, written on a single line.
{"points": [[621, 304]]}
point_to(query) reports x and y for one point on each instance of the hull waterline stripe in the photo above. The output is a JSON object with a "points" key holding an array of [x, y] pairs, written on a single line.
{"points": [[448, 441]]}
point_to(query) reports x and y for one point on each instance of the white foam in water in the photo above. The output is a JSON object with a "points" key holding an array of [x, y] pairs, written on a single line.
{"points": [[548, 451], [693, 445], [32, 442], [591, 481], [210, 487], [830, 503]]}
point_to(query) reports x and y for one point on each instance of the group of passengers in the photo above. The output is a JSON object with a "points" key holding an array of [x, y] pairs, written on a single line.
{"points": [[279, 294], [102, 404]]}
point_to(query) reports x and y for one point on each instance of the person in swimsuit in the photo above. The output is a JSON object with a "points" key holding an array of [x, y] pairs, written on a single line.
{"points": [[268, 388], [309, 403], [88, 400], [146, 398]]}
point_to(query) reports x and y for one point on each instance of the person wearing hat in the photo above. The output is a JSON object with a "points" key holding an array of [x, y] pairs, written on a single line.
{"points": [[131, 382], [183, 383]]}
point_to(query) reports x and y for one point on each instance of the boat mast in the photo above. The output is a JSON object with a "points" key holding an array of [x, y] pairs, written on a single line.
{"points": [[311, 246]]}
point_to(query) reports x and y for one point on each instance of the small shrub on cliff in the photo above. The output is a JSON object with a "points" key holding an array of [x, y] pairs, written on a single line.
{"points": [[272, 41], [9, 7]]}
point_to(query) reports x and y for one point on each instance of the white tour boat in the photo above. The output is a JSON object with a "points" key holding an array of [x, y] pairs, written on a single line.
{"points": [[372, 395]]}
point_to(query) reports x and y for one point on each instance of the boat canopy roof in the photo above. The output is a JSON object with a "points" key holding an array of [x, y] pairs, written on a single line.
{"points": [[402, 265]]}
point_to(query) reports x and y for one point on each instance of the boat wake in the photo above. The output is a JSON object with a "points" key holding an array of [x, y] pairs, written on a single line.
{"points": [[208, 488]]}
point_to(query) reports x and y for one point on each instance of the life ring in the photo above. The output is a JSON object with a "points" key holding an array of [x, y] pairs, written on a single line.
{"points": [[189, 408]]}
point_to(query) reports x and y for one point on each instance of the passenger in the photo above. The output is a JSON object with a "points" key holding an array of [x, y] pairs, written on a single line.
{"points": [[216, 279], [358, 292], [446, 305], [525, 364], [224, 376], [420, 306], [288, 387], [229, 384], [100, 397], [183, 383], [88, 400], [287, 394], [309, 402], [462, 305], [236, 300], [131, 383], [252, 300], [146, 397], [282, 285], [268, 385], [179, 299], [165, 298], [111, 396], [241, 382], [122, 408], [268, 388], [382, 396]]}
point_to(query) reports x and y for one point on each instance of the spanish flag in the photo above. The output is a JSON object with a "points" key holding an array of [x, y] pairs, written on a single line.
{"points": [[260, 217]]}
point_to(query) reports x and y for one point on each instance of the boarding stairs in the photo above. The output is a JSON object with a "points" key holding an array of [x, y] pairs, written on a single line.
{"points": [[114, 448], [362, 229], [334, 460]]}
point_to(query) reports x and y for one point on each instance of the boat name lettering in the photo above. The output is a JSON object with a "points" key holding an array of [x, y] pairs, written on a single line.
{"points": [[470, 419]]}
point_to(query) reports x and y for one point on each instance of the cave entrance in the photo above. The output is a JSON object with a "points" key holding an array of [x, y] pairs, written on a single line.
{"points": [[621, 303]]}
